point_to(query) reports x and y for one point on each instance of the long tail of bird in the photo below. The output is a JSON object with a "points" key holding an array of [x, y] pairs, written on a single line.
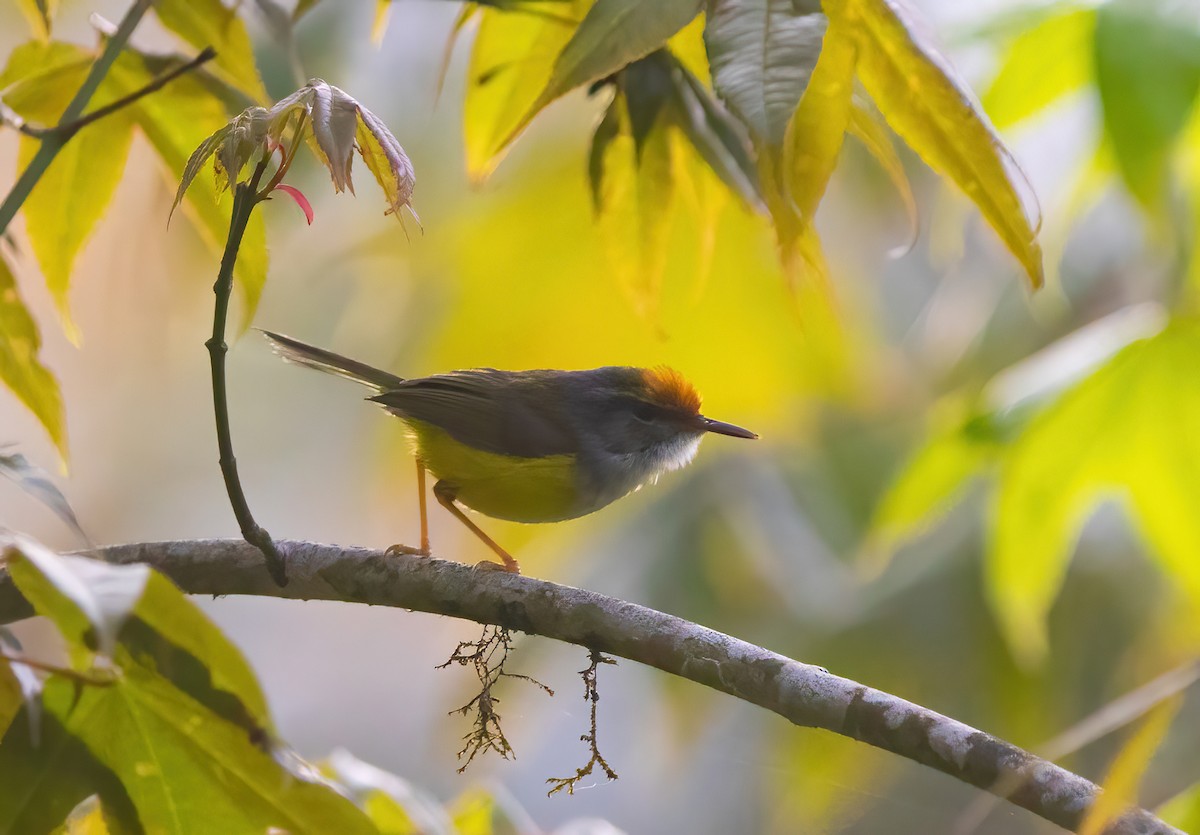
{"points": [[298, 352]]}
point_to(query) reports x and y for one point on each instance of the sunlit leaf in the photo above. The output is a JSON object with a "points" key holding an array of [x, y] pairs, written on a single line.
{"points": [[935, 114], [393, 804], [40, 14], [1043, 64], [930, 484], [478, 811], [41, 77], [176, 120], [186, 770], [814, 134], [44, 776], [71, 197], [510, 65], [1127, 433], [762, 53], [612, 35], [21, 369], [867, 126], [1120, 786], [1146, 102], [386, 161], [204, 23], [87, 818], [86, 599], [1183, 810], [34, 481], [634, 188]]}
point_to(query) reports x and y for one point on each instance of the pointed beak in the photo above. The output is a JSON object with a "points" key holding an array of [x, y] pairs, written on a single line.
{"points": [[710, 425]]}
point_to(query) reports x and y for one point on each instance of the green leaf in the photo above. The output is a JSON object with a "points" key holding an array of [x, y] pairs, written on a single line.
{"points": [[1042, 65], [34, 481], [40, 78], [70, 198], [196, 161], [612, 35], [11, 696], [189, 771], [1146, 102], [20, 368], [393, 804], [204, 23], [719, 138], [814, 134], [86, 599], [1119, 791], [1183, 810], [45, 771], [929, 485], [176, 120], [1126, 432], [935, 114], [762, 53], [510, 65]]}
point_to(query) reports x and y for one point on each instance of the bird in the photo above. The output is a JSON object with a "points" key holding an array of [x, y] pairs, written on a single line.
{"points": [[531, 446]]}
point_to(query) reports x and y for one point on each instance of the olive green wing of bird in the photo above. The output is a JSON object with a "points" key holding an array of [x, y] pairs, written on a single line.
{"points": [[505, 412]]}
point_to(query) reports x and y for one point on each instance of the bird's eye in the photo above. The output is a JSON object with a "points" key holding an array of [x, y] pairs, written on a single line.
{"points": [[645, 412]]}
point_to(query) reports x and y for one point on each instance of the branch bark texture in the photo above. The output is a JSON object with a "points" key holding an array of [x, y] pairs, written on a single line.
{"points": [[803, 694]]}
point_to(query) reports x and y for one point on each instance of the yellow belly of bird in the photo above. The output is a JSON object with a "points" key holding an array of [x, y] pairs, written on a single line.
{"points": [[501, 486]]}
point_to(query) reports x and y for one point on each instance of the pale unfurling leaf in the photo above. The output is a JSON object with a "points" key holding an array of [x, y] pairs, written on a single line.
{"points": [[34, 481], [385, 159], [196, 161]]}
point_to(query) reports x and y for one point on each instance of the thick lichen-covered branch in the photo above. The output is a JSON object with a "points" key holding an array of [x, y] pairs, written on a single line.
{"points": [[801, 693]]}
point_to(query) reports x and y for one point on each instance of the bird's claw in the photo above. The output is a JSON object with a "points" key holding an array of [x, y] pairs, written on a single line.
{"points": [[491, 565], [407, 550]]}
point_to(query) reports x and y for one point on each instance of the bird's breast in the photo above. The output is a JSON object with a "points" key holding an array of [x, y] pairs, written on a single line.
{"points": [[544, 489]]}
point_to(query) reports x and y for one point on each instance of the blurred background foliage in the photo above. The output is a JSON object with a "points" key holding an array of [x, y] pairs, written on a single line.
{"points": [[976, 497]]}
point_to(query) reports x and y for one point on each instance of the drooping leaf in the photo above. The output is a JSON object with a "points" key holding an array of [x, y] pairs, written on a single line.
{"points": [[1042, 65], [814, 134], [509, 67], [923, 101], [719, 138], [1146, 103], [1126, 432], [386, 160], [86, 599], [45, 771], [21, 369], [176, 120], [189, 771], [40, 14], [867, 126], [762, 53], [612, 35], [634, 194], [1120, 786], [204, 23], [34, 481], [71, 197]]}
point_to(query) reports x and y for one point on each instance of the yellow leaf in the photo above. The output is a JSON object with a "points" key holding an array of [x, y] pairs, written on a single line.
{"points": [[867, 126], [20, 368], [1050, 60], [1126, 432], [204, 23], [1183, 810], [814, 134], [40, 14], [635, 204], [934, 113], [70, 198], [1120, 786], [510, 65]]}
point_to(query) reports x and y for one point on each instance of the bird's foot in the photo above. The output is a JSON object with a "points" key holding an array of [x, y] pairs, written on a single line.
{"points": [[512, 567], [407, 550]]}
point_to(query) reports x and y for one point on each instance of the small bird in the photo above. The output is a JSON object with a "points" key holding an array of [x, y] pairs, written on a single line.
{"points": [[532, 446]]}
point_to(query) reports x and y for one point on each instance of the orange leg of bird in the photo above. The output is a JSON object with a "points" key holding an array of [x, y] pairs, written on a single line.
{"points": [[444, 493], [423, 551]]}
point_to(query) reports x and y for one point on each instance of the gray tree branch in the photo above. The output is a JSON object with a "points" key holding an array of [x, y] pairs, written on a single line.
{"points": [[803, 694]]}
